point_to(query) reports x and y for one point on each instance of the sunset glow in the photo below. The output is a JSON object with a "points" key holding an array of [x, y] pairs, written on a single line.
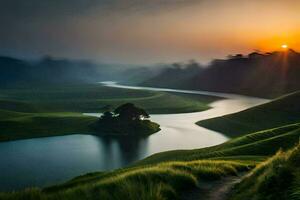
{"points": [[136, 31], [284, 46]]}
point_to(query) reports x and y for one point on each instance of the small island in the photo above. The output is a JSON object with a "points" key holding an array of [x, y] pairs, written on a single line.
{"points": [[125, 120]]}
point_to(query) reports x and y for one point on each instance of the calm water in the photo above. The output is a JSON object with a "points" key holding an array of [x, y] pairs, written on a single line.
{"points": [[46, 161]]}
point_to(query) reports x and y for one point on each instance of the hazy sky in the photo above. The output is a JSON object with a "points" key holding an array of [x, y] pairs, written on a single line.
{"points": [[146, 31]]}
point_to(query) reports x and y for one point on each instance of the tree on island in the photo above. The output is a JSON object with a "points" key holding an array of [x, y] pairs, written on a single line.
{"points": [[126, 119], [107, 115], [127, 112]]}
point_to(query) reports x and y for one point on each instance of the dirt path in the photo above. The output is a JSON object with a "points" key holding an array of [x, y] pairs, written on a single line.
{"points": [[215, 190]]}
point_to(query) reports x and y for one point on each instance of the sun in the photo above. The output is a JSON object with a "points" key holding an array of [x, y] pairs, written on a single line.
{"points": [[284, 46]]}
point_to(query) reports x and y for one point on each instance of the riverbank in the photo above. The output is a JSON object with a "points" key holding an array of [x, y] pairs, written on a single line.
{"points": [[86, 153], [17, 125], [278, 112], [30, 113], [53, 111]]}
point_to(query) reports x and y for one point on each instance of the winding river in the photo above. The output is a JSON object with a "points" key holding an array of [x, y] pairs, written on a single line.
{"points": [[51, 160]]}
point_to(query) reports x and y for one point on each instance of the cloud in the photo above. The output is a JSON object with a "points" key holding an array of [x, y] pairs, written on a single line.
{"points": [[39, 26], [18, 9], [142, 30]]}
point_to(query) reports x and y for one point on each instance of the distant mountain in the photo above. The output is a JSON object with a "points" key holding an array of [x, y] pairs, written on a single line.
{"points": [[137, 75], [48, 70], [13, 71], [175, 76], [265, 75], [17, 72]]}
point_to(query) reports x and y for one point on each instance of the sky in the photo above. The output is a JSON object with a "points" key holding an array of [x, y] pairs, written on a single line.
{"points": [[146, 31]]}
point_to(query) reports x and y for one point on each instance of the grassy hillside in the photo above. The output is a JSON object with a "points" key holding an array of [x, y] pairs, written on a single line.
{"points": [[168, 175], [49, 111], [17, 125], [278, 178], [97, 98], [253, 146], [274, 114], [157, 182]]}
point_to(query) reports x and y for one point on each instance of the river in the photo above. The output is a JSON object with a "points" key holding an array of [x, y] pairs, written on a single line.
{"points": [[51, 160]]}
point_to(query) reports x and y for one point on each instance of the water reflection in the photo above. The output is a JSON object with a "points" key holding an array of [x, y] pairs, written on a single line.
{"points": [[122, 151], [40, 162]]}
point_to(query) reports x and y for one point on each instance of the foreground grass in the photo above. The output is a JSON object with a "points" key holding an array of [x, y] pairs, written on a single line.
{"points": [[166, 175], [278, 178], [97, 98], [161, 181], [277, 113]]}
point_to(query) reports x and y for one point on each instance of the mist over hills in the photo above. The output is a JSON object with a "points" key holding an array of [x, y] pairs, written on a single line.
{"points": [[257, 74], [48, 70], [176, 75], [15, 72]]}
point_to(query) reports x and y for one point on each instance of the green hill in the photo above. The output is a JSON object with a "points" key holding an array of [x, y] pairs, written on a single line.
{"points": [[279, 112], [96, 98], [278, 179], [167, 175], [51, 111], [18, 106], [250, 147], [17, 125]]}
